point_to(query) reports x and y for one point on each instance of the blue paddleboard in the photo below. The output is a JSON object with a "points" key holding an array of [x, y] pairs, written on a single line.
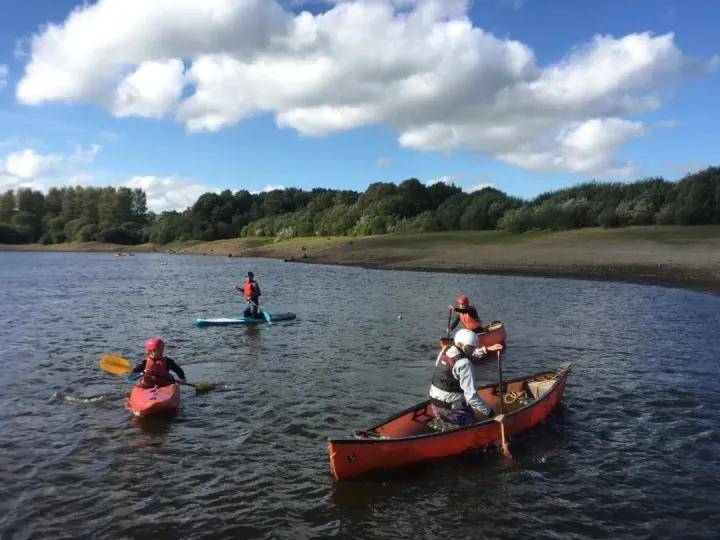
{"points": [[229, 321]]}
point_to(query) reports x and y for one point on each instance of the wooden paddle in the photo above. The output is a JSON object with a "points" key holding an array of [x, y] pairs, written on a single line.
{"points": [[499, 418], [450, 312], [117, 365]]}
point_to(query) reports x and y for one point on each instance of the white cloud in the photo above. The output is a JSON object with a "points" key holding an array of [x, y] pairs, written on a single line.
{"points": [[84, 155], [27, 164], [419, 67], [29, 168], [267, 188], [169, 192], [3, 75], [152, 90], [480, 186], [443, 180]]}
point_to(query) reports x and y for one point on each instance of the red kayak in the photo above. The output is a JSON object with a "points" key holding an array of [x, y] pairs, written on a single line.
{"points": [[154, 401], [494, 333], [414, 435]]}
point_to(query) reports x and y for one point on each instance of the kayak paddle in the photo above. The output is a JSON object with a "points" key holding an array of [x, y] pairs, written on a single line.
{"points": [[118, 365]]}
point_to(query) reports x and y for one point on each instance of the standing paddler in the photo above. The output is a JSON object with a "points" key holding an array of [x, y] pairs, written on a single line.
{"points": [[467, 314], [251, 292], [453, 391]]}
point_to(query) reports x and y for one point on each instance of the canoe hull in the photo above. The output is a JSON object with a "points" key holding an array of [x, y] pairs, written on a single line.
{"points": [[232, 321], [350, 458], [497, 334], [163, 400]]}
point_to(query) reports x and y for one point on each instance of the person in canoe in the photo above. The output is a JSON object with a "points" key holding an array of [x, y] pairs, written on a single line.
{"points": [[467, 314], [251, 292], [157, 367], [453, 390]]}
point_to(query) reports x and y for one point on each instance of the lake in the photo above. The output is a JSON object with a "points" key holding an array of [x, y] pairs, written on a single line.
{"points": [[634, 452]]}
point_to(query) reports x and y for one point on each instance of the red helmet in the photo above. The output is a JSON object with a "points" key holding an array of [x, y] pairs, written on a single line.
{"points": [[462, 299], [154, 343]]}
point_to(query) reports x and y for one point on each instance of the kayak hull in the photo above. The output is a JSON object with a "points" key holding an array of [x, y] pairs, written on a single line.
{"points": [[407, 437], [232, 321], [162, 400]]}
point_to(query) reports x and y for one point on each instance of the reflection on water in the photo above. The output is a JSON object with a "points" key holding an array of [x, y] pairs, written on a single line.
{"points": [[634, 452]]}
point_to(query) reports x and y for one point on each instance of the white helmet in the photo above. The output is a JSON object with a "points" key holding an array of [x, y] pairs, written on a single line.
{"points": [[466, 337]]}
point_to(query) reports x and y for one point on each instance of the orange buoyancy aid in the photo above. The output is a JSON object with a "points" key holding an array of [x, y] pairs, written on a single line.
{"points": [[470, 322], [250, 289], [157, 367]]}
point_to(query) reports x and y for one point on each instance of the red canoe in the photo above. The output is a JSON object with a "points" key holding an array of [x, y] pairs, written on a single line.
{"points": [[154, 401], [495, 333], [413, 435]]}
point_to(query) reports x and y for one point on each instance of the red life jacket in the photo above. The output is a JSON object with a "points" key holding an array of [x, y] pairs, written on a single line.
{"points": [[470, 322], [249, 289], [157, 367]]}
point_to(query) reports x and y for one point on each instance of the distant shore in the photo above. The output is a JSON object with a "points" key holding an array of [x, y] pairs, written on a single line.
{"points": [[687, 257]]}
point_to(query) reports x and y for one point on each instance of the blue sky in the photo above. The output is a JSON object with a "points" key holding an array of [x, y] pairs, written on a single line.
{"points": [[528, 96]]}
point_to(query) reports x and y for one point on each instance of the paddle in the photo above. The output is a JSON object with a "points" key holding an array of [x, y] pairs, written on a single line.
{"points": [[266, 315], [117, 365], [499, 418], [450, 312]]}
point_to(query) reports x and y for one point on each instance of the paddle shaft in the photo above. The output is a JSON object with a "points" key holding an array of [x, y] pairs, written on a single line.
{"points": [[505, 448], [266, 315], [173, 379], [500, 379], [450, 312]]}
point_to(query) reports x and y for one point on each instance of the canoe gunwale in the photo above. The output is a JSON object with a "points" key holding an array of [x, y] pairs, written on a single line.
{"points": [[562, 374]]}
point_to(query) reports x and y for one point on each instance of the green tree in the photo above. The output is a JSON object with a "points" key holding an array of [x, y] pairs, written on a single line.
{"points": [[7, 206]]}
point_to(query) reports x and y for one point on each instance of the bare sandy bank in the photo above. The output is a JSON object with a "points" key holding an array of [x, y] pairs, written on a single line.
{"points": [[686, 257]]}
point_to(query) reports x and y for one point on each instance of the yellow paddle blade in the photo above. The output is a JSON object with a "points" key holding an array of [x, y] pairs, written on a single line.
{"points": [[202, 388], [115, 364]]}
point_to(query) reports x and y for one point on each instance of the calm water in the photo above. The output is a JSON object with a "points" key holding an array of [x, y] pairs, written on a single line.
{"points": [[634, 452]]}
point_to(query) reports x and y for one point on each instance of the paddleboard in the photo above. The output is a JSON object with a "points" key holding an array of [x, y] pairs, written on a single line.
{"points": [[229, 321]]}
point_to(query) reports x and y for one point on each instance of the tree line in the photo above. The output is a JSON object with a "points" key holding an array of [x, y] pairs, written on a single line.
{"points": [[120, 215]]}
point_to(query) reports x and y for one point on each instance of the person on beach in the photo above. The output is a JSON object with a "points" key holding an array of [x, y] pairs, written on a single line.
{"points": [[156, 367], [467, 314], [453, 391], [251, 292]]}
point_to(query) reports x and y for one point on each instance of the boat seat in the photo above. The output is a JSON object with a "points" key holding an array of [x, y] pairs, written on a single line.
{"points": [[540, 386], [369, 435]]}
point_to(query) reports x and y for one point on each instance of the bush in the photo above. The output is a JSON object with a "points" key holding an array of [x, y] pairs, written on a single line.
{"points": [[608, 218], [118, 235], [421, 223], [10, 235], [87, 233]]}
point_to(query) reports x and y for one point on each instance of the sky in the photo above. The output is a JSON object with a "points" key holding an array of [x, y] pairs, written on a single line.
{"points": [[181, 97]]}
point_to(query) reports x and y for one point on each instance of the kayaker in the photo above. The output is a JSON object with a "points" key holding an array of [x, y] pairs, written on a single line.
{"points": [[251, 292], [467, 314], [156, 366], [453, 389]]}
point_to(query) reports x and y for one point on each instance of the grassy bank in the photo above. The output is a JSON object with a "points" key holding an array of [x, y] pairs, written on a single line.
{"points": [[672, 255]]}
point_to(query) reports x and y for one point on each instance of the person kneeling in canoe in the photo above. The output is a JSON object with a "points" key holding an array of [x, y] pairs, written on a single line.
{"points": [[467, 314], [157, 367], [251, 292], [453, 391]]}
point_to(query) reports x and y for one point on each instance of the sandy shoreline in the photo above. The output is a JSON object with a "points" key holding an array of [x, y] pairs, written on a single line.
{"points": [[686, 257]]}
